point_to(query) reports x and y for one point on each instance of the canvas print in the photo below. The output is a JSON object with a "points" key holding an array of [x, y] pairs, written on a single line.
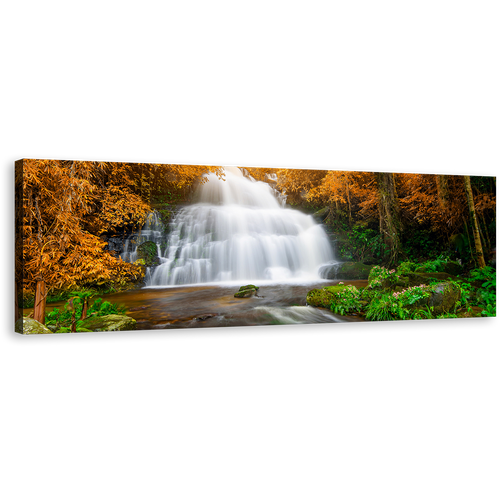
{"points": [[106, 246]]}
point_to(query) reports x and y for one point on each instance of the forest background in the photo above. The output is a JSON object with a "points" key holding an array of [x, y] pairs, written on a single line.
{"points": [[67, 210]]}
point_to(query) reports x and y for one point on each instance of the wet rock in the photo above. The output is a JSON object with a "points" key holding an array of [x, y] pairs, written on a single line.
{"points": [[345, 271], [322, 297], [108, 323], [206, 316], [29, 326], [246, 291]]}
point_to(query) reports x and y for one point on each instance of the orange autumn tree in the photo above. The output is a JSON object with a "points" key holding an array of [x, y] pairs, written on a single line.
{"points": [[61, 202], [296, 183], [432, 201], [62, 207], [354, 193], [151, 179]]}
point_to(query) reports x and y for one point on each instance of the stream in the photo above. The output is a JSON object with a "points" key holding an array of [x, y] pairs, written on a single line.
{"points": [[214, 305], [209, 305]]}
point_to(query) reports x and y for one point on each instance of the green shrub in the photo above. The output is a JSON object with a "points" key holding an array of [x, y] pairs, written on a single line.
{"points": [[379, 274], [391, 306], [406, 267], [346, 300], [63, 318]]}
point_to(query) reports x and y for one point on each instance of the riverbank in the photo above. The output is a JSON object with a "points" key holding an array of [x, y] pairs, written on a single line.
{"points": [[210, 306]]}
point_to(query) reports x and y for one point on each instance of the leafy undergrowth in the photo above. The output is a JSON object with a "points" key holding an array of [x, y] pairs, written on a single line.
{"points": [[401, 294], [62, 319]]}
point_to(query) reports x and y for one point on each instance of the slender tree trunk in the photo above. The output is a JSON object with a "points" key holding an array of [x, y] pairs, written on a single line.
{"points": [[40, 296], [488, 241], [390, 223], [85, 307], [348, 202], [473, 218], [443, 190]]}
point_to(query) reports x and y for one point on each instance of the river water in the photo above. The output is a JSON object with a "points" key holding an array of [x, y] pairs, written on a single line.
{"points": [[214, 305], [208, 305]]}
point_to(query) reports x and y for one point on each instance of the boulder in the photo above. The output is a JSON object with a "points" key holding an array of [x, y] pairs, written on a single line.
{"points": [[29, 326], [148, 252], [452, 268], [246, 291], [407, 280], [329, 271], [442, 299], [345, 271], [108, 323], [322, 297]]}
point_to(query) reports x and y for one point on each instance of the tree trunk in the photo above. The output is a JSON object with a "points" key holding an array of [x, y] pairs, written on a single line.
{"points": [[473, 218], [85, 307], [348, 202], [390, 223], [40, 296], [443, 190]]}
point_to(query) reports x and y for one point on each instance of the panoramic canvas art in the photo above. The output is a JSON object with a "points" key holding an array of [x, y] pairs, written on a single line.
{"points": [[106, 246]]}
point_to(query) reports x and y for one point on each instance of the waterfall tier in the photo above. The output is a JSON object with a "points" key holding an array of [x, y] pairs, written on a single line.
{"points": [[238, 230]]}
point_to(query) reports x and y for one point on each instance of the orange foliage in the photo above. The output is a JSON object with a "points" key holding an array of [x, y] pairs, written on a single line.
{"points": [[63, 207], [296, 183]]}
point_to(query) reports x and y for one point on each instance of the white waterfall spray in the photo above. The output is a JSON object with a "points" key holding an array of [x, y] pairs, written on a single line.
{"points": [[238, 230]]}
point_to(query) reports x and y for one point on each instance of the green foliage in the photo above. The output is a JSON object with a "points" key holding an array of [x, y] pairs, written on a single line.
{"points": [[418, 243], [346, 300], [483, 274], [63, 329], [406, 267], [364, 242], [379, 274], [167, 197], [486, 295], [446, 315], [383, 307], [490, 311], [63, 318], [433, 266], [397, 305], [165, 216]]}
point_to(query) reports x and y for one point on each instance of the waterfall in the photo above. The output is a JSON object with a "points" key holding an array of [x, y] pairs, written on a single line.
{"points": [[239, 231], [152, 230]]}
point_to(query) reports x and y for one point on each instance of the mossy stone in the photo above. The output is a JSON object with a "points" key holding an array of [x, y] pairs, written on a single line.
{"points": [[108, 323], [148, 252], [29, 326]]}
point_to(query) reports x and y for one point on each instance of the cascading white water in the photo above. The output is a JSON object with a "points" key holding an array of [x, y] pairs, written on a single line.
{"points": [[153, 230], [238, 230]]}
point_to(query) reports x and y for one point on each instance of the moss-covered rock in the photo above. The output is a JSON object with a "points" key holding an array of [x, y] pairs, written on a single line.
{"points": [[407, 280], [322, 297], [148, 252], [108, 323], [29, 326], [338, 297], [442, 299], [246, 291], [353, 271]]}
